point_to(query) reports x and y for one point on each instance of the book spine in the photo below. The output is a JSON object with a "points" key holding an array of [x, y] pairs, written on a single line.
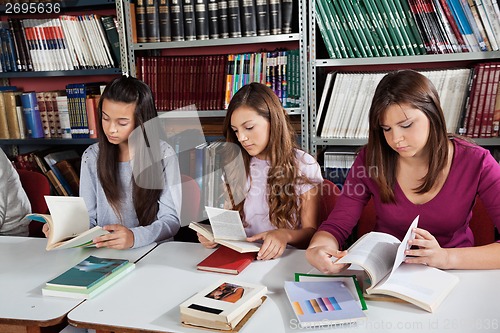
{"points": [[42, 107], [164, 17], [234, 20], [189, 20], [275, 16], [32, 115], [112, 36], [262, 13], [152, 21], [4, 128], [286, 16], [222, 8], [213, 19], [202, 19], [11, 114], [177, 20], [64, 117], [141, 21], [248, 18]]}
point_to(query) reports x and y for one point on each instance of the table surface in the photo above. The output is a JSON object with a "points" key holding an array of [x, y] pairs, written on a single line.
{"points": [[149, 298], [26, 266]]}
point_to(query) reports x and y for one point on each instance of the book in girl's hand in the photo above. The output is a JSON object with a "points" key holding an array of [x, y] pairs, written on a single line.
{"points": [[88, 278], [225, 305], [68, 223], [226, 260]]}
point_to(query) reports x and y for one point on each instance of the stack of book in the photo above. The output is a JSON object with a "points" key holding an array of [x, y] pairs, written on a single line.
{"points": [[88, 278]]}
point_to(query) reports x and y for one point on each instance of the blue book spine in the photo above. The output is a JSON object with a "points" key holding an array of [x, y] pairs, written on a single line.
{"points": [[32, 115]]}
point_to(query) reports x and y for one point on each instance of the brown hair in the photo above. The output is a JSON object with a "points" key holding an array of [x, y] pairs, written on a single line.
{"points": [[281, 149], [131, 91], [413, 88]]}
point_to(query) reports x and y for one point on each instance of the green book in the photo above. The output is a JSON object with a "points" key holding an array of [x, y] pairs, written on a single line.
{"points": [[340, 37], [390, 22], [343, 28], [406, 14], [382, 47], [390, 29], [353, 27], [79, 293], [403, 27], [380, 27], [325, 28], [361, 28], [87, 273]]}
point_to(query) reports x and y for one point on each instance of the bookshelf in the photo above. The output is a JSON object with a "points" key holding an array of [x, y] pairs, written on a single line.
{"points": [[224, 46], [56, 79], [320, 64]]}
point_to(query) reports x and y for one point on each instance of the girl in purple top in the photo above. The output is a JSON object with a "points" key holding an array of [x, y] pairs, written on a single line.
{"points": [[278, 187], [411, 166]]}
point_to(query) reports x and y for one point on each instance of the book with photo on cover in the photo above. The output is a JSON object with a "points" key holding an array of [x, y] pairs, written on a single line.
{"points": [[68, 223], [224, 305], [382, 257], [226, 260], [226, 228], [88, 278]]}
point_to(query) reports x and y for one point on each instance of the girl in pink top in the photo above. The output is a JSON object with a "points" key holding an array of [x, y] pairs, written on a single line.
{"points": [[278, 191], [411, 166]]}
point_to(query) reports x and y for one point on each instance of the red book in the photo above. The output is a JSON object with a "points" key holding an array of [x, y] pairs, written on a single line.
{"points": [[226, 260]]}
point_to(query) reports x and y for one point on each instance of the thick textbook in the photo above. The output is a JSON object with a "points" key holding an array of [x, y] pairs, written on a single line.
{"points": [[88, 278], [226, 229], [222, 305], [382, 257], [226, 260], [323, 303], [68, 223]]}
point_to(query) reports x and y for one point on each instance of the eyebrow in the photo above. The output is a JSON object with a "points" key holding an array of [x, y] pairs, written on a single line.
{"points": [[242, 123], [123, 118]]}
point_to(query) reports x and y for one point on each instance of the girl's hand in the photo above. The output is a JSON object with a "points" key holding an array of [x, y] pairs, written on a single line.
{"points": [[274, 243], [119, 237], [45, 229], [321, 258], [429, 251], [205, 242]]}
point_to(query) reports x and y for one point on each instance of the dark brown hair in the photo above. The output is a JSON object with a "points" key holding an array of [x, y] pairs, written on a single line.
{"points": [[281, 150], [414, 89], [127, 90]]}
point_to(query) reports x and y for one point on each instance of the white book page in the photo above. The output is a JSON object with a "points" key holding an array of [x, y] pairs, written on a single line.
{"points": [[69, 217], [400, 255], [375, 252], [421, 285], [226, 224]]}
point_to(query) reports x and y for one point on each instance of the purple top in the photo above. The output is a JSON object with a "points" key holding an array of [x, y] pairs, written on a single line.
{"points": [[473, 172]]}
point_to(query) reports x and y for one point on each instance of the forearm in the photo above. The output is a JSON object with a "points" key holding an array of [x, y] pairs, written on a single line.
{"points": [[480, 257], [324, 238], [299, 238]]}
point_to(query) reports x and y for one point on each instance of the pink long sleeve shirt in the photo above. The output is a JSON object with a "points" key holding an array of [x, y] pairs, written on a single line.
{"points": [[473, 172]]}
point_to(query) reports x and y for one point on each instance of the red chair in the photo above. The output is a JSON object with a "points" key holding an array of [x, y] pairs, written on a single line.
{"points": [[36, 186], [481, 224], [190, 210], [328, 198]]}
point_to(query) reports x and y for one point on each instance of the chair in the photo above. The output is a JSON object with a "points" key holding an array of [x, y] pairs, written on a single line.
{"points": [[481, 224], [190, 210], [36, 186], [328, 198]]}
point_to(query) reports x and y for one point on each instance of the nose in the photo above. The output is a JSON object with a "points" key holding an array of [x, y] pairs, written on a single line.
{"points": [[241, 137], [113, 128]]}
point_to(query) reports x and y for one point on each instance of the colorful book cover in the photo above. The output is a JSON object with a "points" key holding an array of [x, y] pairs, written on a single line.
{"points": [[88, 272], [322, 303], [32, 115]]}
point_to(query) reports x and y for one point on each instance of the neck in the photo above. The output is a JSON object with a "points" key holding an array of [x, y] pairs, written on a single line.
{"points": [[124, 152]]}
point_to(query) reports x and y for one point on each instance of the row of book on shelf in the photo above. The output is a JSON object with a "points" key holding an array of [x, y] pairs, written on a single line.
{"points": [[63, 43], [470, 99], [175, 81], [370, 28], [185, 20], [70, 113]]}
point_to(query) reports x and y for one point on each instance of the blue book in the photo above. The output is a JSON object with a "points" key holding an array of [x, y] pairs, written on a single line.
{"points": [[32, 115]]}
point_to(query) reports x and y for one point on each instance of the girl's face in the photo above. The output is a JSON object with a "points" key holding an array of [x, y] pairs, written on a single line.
{"points": [[117, 121], [406, 129], [252, 130]]}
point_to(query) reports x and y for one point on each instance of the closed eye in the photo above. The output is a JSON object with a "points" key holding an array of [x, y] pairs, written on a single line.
{"points": [[406, 125]]}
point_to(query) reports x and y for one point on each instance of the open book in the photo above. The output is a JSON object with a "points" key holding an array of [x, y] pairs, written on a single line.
{"points": [[68, 223], [382, 257], [226, 229]]}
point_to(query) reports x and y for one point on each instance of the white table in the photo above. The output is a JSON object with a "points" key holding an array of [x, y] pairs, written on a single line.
{"points": [[25, 266], [149, 298]]}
